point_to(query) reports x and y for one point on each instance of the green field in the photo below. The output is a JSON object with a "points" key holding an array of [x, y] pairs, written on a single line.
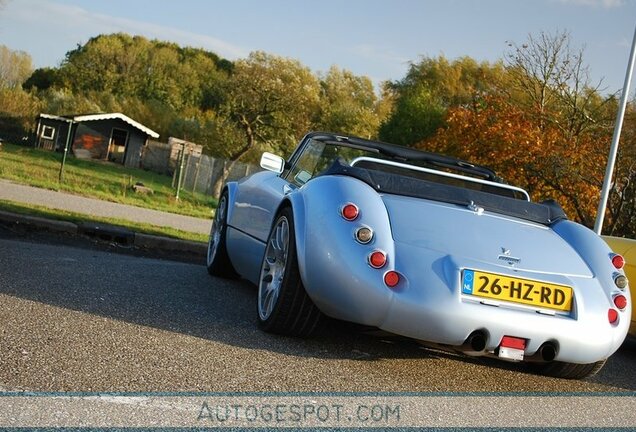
{"points": [[101, 180]]}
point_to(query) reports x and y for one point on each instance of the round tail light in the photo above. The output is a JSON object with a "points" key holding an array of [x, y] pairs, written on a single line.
{"points": [[391, 278], [377, 259], [620, 301], [612, 316], [349, 211], [618, 261]]}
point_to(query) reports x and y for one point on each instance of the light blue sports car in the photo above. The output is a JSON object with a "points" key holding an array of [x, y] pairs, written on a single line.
{"points": [[424, 246]]}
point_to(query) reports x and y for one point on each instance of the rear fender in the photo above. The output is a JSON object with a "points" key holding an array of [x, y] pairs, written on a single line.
{"points": [[333, 265], [232, 190], [296, 200], [591, 248], [597, 254]]}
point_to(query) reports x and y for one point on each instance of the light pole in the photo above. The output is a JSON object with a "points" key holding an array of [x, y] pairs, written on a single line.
{"points": [[607, 182], [181, 163], [68, 139]]}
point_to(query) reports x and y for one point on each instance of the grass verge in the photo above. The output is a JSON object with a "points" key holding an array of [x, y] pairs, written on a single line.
{"points": [[45, 212], [98, 179]]}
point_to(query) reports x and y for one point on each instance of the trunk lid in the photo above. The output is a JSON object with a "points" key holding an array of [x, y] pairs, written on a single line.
{"points": [[485, 237]]}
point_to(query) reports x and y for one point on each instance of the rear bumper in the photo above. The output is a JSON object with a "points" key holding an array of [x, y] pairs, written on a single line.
{"points": [[576, 341]]}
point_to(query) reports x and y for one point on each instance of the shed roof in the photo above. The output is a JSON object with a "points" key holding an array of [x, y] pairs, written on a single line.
{"points": [[104, 116]]}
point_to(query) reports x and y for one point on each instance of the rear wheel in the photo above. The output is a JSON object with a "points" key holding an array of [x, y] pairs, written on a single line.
{"points": [[283, 304], [218, 262], [569, 370]]}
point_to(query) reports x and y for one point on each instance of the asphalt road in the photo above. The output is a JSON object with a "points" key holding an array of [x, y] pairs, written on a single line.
{"points": [[78, 319]]}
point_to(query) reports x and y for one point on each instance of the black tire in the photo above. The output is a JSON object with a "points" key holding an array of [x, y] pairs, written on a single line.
{"points": [[559, 369], [217, 260], [283, 306]]}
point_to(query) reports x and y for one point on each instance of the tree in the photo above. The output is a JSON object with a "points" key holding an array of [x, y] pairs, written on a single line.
{"points": [[621, 215], [17, 107], [417, 115], [348, 104], [64, 102], [42, 79], [544, 127], [133, 66], [429, 89], [15, 67], [535, 157], [456, 83], [551, 81], [272, 100], [18, 110]]}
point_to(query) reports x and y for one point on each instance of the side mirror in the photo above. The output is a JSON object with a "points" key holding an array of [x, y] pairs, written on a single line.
{"points": [[271, 162]]}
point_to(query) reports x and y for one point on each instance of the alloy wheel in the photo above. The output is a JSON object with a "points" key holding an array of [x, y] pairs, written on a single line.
{"points": [[273, 269], [218, 224]]}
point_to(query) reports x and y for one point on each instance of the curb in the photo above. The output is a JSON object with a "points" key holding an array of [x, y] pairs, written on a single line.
{"points": [[105, 232], [38, 222], [148, 241]]}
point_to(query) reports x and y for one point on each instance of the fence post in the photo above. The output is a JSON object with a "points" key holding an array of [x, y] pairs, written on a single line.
{"points": [[196, 174], [176, 170], [210, 182], [181, 162], [187, 170]]}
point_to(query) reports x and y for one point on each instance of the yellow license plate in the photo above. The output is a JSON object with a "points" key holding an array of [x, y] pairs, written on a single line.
{"points": [[517, 290]]}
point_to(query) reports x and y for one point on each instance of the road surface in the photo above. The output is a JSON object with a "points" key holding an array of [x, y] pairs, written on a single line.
{"points": [[78, 319]]}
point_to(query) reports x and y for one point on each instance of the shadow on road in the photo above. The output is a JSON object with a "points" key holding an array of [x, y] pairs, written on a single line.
{"points": [[169, 295], [180, 297]]}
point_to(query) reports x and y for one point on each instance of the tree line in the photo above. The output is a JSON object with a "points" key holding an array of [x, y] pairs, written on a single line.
{"points": [[534, 116]]}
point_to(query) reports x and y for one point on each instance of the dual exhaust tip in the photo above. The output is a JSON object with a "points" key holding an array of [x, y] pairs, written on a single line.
{"points": [[476, 343]]}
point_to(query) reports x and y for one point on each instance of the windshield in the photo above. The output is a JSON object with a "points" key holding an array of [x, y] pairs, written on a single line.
{"points": [[318, 156]]}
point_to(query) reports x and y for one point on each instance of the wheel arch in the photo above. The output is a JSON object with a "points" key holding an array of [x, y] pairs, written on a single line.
{"points": [[232, 191], [296, 201], [284, 307]]}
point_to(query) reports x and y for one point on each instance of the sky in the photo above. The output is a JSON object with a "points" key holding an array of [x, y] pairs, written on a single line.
{"points": [[376, 38]]}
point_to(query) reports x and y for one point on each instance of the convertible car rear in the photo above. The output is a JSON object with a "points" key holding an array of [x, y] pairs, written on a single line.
{"points": [[424, 246]]}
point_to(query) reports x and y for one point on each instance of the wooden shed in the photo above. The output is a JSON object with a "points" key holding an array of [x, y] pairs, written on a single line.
{"points": [[112, 136]]}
